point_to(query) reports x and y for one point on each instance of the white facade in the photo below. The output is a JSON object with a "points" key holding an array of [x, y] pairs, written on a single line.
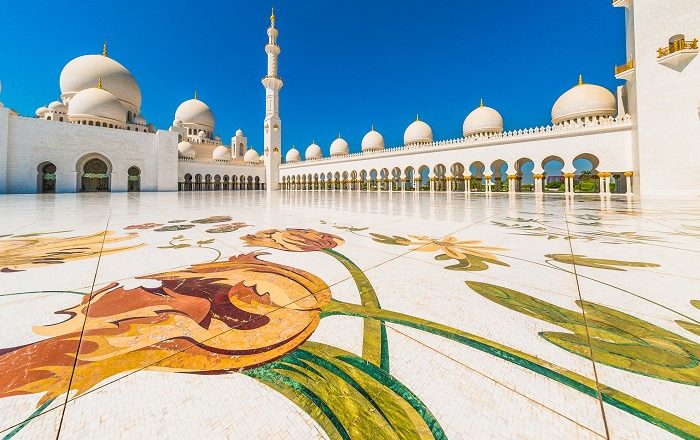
{"points": [[641, 140]]}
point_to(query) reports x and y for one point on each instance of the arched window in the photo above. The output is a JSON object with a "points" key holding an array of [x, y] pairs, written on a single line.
{"points": [[95, 177], [60, 119], [134, 179], [47, 178], [48, 118]]}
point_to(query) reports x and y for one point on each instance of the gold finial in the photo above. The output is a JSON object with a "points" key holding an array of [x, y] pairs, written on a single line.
{"points": [[99, 83], [338, 135], [482, 102], [372, 127], [580, 80], [417, 118], [195, 95], [272, 17], [104, 49]]}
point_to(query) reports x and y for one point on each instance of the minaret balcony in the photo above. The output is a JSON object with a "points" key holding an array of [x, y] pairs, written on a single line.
{"points": [[625, 71], [678, 53], [622, 3]]}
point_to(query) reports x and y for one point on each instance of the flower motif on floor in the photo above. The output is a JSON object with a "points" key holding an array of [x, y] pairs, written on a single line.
{"points": [[213, 219], [293, 240], [144, 226], [216, 317], [471, 255], [228, 227], [18, 254]]}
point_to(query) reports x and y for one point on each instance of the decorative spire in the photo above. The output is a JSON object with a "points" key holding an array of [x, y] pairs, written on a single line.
{"points": [[338, 135], [104, 49], [272, 17], [482, 102], [372, 127], [195, 95], [580, 80], [99, 83], [417, 118]]}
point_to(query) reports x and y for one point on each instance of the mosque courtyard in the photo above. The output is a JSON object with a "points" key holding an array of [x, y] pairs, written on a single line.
{"points": [[344, 315]]}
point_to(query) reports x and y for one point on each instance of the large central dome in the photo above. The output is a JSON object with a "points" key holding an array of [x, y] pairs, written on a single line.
{"points": [[84, 72]]}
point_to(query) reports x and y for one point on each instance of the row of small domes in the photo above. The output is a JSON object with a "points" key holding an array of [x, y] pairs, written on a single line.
{"points": [[186, 149], [581, 101]]}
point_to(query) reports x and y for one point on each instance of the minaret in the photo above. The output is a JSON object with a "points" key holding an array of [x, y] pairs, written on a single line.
{"points": [[273, 123]]}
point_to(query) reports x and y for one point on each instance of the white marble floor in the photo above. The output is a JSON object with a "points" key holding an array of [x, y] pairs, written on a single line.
{"points": [[348, 315]]}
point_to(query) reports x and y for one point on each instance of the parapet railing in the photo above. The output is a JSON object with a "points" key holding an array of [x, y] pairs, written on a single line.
{"points": [[220, 162], [592, 124], [677, 46], [629, 65]]}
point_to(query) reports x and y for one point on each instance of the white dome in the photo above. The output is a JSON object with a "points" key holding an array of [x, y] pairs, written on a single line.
{"points": [[340, 147], [221, 153], [482, 120], [292, 156], [217, 138], [177, 123], [194, 111], [185, 149], [201, 133], [251, 156], [418, 133], [41, 110], [373, 141], [139, 120], [582, 101], [58, 107], [239, 132], [312, 152], [83, 73], [97, 103]]}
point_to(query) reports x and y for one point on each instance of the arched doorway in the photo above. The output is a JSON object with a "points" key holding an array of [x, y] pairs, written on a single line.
{"points": [[134, 179], [47, 178], [94, 176]]}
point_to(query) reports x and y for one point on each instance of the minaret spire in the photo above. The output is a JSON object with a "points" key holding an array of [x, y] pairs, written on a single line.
{"points": [[273, 123]]}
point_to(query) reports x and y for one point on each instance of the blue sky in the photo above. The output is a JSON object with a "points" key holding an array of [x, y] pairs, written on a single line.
{"points": [[346, 65]]}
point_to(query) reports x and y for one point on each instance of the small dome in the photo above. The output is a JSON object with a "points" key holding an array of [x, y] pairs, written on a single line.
{"points": [[151, 128], [239, 132], [97, 103], [41, 110], [312, 152], [201, 134], [83, 73], [221, 153], [373, 141], [340, 147], [418, 133], [58, 106], [194, 111], [251, 156], [177, 123], [482, 120], [185, 149], [584, 100], [217, 138], [292, 156], [138, 120]]}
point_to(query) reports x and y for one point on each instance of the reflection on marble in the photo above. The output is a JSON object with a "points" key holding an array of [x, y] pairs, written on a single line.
{"points": [[349, 315]]}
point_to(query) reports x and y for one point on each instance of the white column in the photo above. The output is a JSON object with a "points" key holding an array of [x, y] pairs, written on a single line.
{"points": [[628, 181], [511, 184]]}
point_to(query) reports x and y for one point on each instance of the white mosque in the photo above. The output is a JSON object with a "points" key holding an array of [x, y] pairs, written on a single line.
{"points": [[641, 138]]}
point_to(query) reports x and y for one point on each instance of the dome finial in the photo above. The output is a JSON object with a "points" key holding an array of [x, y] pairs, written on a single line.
{"points": [[580, 80], [104, 49], [272, 17], [482, 102], [338, 135], [195, 95], [417, 118], [372, 127], [99, 83]]}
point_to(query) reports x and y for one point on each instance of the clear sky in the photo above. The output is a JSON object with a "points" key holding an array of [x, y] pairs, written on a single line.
{"points": [[346, 64]]}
